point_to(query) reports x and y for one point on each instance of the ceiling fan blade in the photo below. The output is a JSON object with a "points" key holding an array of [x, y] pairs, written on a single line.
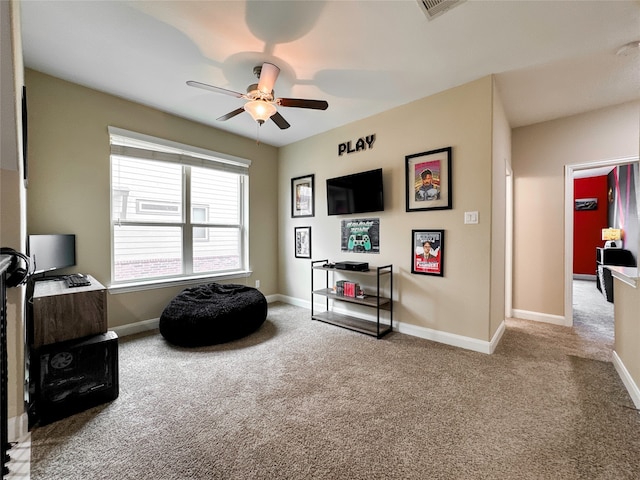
{"points": [[302, 103], [229, 115], [280, 121], [268, 76], [211, 88]]}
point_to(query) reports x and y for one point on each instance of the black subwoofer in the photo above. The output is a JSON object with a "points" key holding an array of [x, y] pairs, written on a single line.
{"points": [[75, 375]]}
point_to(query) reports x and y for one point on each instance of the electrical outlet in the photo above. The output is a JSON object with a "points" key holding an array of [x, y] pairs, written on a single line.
{"points": [[257, 283]]}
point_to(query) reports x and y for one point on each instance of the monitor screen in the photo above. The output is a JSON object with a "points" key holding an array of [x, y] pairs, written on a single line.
{"points": [[356, 193], [51, 252]]}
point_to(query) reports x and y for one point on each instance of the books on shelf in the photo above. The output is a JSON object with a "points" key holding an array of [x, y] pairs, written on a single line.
{"points": [[348, 289]]}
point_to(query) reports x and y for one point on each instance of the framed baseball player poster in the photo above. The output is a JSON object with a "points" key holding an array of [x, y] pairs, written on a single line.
{"points": [[428, 180]]}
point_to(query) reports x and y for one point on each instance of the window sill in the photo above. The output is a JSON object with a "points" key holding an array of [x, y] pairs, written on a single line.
{"points": [[174, 282]]}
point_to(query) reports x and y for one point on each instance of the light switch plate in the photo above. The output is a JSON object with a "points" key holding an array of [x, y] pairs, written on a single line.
{"points": [[470, 217]]}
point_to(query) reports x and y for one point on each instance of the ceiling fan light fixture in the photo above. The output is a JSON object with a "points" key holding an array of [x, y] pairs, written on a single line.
{"points": [[260, 110]]}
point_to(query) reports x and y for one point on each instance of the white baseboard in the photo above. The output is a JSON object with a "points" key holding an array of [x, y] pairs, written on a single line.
{"points": [[497, 336], [540, 317], [297, 302], [17, 427], [138, 327], [625, 376], [272, 298], [454, 340]]}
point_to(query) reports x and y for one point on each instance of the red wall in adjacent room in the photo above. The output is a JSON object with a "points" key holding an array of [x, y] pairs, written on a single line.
{"points": [[587, 224]]}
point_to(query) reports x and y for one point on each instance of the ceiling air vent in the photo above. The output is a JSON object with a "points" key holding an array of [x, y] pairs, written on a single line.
{"points": [[433, 8]]}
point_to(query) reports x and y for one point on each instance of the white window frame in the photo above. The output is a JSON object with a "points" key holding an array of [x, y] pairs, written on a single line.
{"points": [[137, 145], [195, 224]]}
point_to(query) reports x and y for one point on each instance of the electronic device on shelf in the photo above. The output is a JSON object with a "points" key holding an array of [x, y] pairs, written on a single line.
{"points": [[355, 193], [77, 280], [51, 252], [353, 266]]}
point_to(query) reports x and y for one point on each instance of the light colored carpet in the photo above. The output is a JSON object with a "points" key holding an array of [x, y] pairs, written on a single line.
{"points": [[592, 314], [304, 400]]}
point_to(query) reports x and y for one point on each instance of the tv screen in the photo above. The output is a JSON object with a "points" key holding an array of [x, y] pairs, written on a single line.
{"points": [[356, 193], [51, 252]]}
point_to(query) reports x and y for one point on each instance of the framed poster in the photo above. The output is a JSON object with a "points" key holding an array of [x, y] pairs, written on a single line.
{"points": [[302, 200], [428, 180], [360, 235], [427, 254], [586, 204], [303, 242]]}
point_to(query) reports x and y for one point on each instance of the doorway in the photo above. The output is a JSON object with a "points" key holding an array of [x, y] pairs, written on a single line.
{"points": [[588, 306]]}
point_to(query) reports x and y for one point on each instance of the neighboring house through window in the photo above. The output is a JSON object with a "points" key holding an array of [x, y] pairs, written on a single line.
{"points": [[176, 211]]}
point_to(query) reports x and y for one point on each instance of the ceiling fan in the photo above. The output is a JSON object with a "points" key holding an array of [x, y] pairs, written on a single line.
{"points": [[262, 103]]}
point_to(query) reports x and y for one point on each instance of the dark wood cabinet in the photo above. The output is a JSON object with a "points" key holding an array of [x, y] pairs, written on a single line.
{"points": [[61, 313], [71, 359]]}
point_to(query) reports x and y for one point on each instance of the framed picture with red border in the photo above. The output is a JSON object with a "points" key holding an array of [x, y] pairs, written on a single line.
{"points": [[427, 254]]}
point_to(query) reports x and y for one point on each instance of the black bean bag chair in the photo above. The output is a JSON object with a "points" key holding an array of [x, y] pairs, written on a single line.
{"points": [[212, 313]]}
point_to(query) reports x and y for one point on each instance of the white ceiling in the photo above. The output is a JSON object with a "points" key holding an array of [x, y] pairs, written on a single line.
{"points": [[551, 58]]}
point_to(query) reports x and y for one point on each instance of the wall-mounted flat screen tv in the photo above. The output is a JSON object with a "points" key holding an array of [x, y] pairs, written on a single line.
{"points": [[51, 252], [356, 193]]}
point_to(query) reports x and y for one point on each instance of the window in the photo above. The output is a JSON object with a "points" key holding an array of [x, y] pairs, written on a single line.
{"points": [[176, 211]]}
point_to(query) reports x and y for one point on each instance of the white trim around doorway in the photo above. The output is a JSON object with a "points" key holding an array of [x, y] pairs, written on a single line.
{"points": [[568, 226]]}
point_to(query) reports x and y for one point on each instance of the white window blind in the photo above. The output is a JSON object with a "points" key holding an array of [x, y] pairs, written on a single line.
{"points": [[177, 211]]}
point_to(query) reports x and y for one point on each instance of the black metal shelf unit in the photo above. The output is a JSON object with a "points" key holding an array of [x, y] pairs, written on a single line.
{"points": [[379, 302]]}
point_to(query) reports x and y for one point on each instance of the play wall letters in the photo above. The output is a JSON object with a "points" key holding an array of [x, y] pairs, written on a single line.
{"points": [[361, 144]]}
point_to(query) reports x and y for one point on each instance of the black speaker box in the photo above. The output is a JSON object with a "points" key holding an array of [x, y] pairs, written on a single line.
{"points": [[75, 375]]}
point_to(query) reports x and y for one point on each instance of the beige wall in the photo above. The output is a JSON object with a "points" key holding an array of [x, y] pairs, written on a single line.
{"points": [[539, 155], [627, 333], [459, 302], [69, 159], [12, 194]]}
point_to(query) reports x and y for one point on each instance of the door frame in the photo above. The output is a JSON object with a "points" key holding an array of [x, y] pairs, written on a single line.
{"points": [[508, 250], [569, 171]]}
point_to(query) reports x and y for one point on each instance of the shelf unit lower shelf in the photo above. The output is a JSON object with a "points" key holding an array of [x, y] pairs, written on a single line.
{"points": [[353, 323]]}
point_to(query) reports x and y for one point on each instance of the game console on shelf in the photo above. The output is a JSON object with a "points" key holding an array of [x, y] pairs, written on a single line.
{"points": [[353, 266]]}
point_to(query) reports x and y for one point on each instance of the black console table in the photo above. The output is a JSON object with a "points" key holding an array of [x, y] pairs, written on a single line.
{"points": [[610, 256]]}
